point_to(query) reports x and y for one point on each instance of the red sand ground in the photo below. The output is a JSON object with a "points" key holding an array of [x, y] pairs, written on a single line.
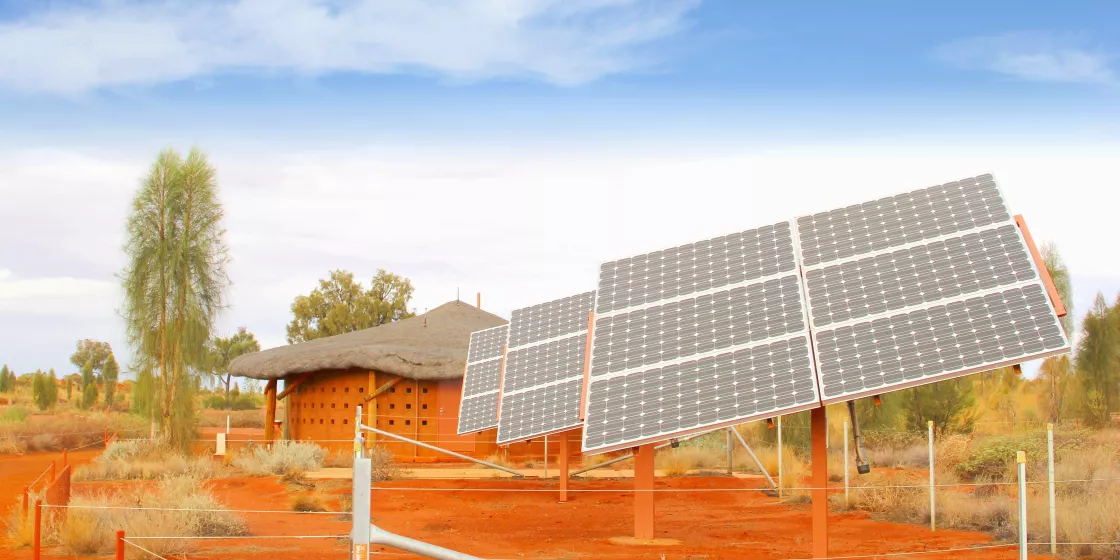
{"points": [[532, 525]]}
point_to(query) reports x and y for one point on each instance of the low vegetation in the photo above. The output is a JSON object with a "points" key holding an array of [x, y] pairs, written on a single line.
{"points": [[23, 431], [384, 466], [143, 460], [18, 526], [237, 418], [90, 531], [308, 503], [283, 458]]}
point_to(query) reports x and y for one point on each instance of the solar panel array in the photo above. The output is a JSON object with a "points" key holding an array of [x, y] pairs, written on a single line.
{"points": [[482, 378], [544, 368], [696, 336], [919, 287]]}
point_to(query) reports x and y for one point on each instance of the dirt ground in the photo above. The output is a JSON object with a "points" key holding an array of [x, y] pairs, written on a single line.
{"points": [[493, 519]]}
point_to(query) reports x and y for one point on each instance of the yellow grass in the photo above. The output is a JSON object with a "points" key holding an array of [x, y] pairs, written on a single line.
{"points": [[308, 502]]}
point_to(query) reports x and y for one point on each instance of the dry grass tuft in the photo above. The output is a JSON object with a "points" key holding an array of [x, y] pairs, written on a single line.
{"points": [[914, 456], [12, 446], [143, 460], [88, 531], [339, 459], [384, 466], [237, 418], [681, 460], [20, 529], [284, 457], [308, 502]]}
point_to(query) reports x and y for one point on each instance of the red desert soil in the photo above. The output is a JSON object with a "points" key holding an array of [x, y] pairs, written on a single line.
{"points": [[17, 471], [532, 525]]}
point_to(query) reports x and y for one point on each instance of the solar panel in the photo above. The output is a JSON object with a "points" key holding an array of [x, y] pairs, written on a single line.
{"points": [[919, 287], [482, 378], [544, 368], [696, 337]]}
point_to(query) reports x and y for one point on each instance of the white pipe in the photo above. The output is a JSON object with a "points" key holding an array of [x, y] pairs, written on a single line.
{"points": [[932, 493], [1050, 475], [441, 450], [1021, 459], [757, 463], [380, 536]]}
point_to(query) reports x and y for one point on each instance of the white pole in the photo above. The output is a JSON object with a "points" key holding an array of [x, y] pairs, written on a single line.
{"points": [[779, 458], [1021, 459], [845, 463], [546, 456], [227, 424], [1050, 474], [932, 494]]}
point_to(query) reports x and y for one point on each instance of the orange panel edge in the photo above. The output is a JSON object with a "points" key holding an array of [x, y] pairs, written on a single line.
{"points": [[501, 382], [1051, 289], [586, 367]]}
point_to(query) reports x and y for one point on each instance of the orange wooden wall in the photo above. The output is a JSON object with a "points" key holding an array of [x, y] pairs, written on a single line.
{"points": [[324, 405]]}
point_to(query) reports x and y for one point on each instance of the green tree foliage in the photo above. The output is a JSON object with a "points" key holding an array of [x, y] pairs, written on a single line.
{"points": [[109, 374], [950, 404], [88, 395], [44, 390], [175, 281], [91, 351], [144, 395], [1096, 363], [69, 389], [224, 350], [341, 305], [6, 383]]}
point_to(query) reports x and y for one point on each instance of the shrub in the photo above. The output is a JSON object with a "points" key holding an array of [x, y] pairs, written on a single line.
{"points": [[677, 462], [993, 457], [308, 502], [285, 457], [20, 527], [15, 414], [383, 464], [214, 402], [915, 456]]}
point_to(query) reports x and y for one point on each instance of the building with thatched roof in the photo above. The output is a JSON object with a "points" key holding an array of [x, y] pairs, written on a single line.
{"points": [[407, 376]]}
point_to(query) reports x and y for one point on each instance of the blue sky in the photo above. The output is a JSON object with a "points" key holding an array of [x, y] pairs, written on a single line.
{"points": [[466, 119]]}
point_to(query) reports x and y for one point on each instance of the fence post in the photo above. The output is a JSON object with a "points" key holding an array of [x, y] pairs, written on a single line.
{"points": [[932, 488], [779, 458], [26, 493], [120, 545], [1050, 475], [1021, 459], [730, 459], [845, 463], [37, 550]]}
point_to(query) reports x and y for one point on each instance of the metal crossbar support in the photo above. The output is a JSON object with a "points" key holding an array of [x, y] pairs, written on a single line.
{"points": [[363, 533], [441, 450], [750, 452]]}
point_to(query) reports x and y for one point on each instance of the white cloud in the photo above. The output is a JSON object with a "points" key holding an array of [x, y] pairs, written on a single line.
{"points": [[60, 296], [1033, 56], [71, 49]]}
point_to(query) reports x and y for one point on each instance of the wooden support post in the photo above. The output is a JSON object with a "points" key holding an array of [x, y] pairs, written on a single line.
{"points": [[120, 546], [37, 536], [563, 466], [643, 492], [270, 411], [819, 459], [290, 386]]}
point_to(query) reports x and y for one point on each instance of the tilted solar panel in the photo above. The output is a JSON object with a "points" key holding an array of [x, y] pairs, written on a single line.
{"points": [[478, 409], [696, 337], [919, 287], [544, 368]]}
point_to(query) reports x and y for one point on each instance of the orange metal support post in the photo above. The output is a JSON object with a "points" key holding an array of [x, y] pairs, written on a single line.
{"points": [[643, 492], [37, 550], [563, 466], [26, 493], [270, 410], [120, 545], [63, 458], [819, 431]]}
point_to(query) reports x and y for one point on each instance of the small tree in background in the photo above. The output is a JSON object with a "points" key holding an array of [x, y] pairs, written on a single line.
{"points": [[69, 389], [224, 350], [92, 351], [5, 381], [948, 403], [44, 390], [109, 374], [1097, 356], [89, 386]]}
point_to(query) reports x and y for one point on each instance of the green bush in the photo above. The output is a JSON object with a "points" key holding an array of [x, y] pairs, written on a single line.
{"points": [[14, 414], [214, 402], [246, 402], [994, 457]]}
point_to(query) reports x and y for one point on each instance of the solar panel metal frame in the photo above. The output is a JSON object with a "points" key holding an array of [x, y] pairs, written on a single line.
{"points": [[806, 332], [504, 415], [481, 397], [1036, 281]]}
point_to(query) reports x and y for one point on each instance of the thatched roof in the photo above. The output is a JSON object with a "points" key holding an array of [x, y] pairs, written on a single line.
{"points": [[428, 346]]}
